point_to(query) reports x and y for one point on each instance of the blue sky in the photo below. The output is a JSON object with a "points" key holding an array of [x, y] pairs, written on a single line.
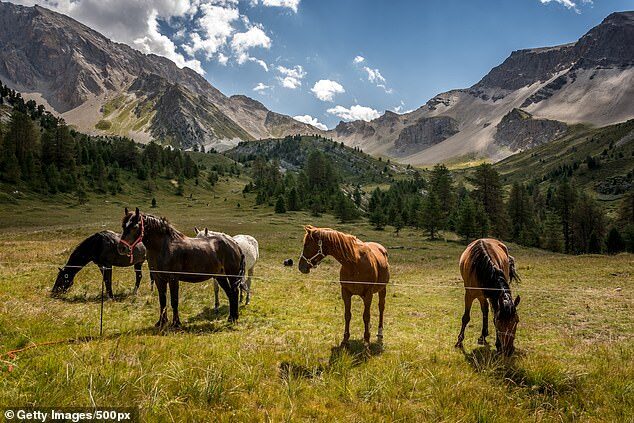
{"points": [[411, 50]]}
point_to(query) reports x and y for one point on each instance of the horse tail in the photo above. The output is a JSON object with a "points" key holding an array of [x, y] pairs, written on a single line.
{"points": [[242, 271], [513, 275]]}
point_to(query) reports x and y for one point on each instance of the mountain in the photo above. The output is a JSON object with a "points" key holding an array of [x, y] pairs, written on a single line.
{"points": [[529, 99], [101, 86]]}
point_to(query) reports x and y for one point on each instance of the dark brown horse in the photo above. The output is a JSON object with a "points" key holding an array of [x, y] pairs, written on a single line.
{"points": [[364, 271], [487, 269], [174, 257], [101, 249]]}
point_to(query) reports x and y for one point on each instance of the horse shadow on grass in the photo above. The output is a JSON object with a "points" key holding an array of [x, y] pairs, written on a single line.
{"points": [[355, 352], [510, 372]]}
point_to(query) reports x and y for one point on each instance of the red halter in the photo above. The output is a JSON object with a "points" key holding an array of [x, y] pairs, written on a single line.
{"points": [[136, 241]]}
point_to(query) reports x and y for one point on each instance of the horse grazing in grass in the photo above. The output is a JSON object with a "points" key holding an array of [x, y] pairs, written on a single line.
{"points": [[251, 251], [174, 257], [101, 249], [364, 271], [487, 269]]}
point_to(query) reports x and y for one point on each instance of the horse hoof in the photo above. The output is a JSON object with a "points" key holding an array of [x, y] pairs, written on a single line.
{"points": [[176, 325], [482, 341], [344, 344], [233, 319], [459, 344], [160, 323]]}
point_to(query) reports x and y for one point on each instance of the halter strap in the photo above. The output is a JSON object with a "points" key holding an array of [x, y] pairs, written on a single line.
{"points": [[319, 252], [136, 241]]}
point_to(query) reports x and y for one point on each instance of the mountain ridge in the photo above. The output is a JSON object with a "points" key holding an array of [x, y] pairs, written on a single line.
{"points": [[77, 71]]}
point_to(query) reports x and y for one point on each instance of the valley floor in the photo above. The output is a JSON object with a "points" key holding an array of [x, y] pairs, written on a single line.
{"points": [[281, 361]]}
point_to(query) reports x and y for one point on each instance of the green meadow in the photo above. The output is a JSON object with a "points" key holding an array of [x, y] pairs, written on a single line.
{"points": [[281, 361]]}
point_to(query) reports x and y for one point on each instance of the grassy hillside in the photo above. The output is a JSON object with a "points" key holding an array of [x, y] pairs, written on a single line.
{"points": [[599, 159], [281, 361], [291, 152]]}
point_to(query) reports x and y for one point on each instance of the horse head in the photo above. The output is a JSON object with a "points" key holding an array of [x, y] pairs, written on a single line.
{"points": [[132, 233], [63, 282], [312, 253], [506, 320]]}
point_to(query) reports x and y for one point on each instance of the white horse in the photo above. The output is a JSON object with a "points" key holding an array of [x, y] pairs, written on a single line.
{"points": [[251, 251]]}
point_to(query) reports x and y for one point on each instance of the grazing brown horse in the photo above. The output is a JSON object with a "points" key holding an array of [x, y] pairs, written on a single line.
{"points": [[174, 257], [364, 271], [487, 269]]}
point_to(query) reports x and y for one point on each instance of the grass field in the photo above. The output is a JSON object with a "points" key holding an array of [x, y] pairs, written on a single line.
{"points": [[280, 362]]}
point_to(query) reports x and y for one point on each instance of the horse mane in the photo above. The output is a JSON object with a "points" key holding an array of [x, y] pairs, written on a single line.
{"points": [[162, 225], [84, 252], [491, 277], [346, 244]]}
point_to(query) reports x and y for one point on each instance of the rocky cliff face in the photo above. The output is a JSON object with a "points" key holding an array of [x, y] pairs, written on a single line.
{"points": [[78, 71], [518, 130], [425, 133], [589, 81]]}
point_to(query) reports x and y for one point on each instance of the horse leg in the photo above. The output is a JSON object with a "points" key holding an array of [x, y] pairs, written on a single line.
{"points": [[382, 293], [107, 277], [232, 295], [217, 301], [249, 287], [176, 321], [484, 305], [468, 299], [367, 303], [161, 287], [139, 275], [347, 302]]}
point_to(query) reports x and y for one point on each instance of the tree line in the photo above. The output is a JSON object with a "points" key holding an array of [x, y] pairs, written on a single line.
{"points": [[560, 218], [38, 150]]}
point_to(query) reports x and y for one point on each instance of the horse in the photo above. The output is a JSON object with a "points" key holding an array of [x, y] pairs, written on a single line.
{"points": [[251, 251], [101, 249], [174, 257], [487, 269], [364, 272]]}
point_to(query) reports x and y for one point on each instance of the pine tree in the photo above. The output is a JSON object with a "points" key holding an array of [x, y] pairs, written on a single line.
{"points": [[614, 244], [432, 214], [488, 192], [378, 219], [564, 199], [467, 226], [441, 184], [280, 207], [292, 200]]}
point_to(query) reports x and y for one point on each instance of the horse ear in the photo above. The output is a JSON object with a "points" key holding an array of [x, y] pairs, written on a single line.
{"points": [[137, 212], [125, 211], [206, 232], [196, 230], [59, 268], [517, 301], [309, 228]]}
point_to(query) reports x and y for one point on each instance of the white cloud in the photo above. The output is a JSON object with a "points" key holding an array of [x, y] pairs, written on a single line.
{"points": [[355, 112], [216, 25], [311, 121], [568, 4], [261, 87], [242, 42], [374, 75], [326, 89], [157, 43], [223, 59], [358, 59], [291, 78], [291, 4]]}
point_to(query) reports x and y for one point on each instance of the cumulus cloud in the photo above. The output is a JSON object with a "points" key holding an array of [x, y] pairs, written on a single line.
{"points": [[291, 4], [291, 78], [311, 121], [358, 59], [326, 89], [355, 112], [568, 4], [261, 87], [242, 42]]}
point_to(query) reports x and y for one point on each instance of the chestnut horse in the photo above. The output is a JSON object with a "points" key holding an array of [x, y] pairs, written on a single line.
{"points": [[487, 269], [174, 257], [364, 271]]}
